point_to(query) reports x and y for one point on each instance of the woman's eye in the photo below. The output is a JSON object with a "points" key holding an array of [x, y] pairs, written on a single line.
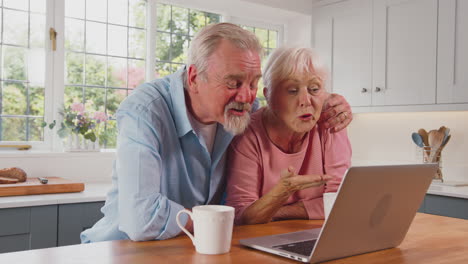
{"points": [[292, 91], [313, 89]]}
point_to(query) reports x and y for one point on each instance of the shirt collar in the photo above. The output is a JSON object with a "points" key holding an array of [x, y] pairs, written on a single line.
{"points": [[181, 120]]}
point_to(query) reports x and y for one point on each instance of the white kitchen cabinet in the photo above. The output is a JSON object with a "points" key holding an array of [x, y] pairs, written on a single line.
{"points": [[452, 59], [381, 52], [343, 34]]}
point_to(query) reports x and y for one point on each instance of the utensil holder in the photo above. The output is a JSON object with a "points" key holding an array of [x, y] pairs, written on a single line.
{"points": [[433, 155]]}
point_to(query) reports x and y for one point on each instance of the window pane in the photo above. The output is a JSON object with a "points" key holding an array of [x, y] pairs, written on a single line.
{"points": [[13, 129], [136, 73], [37, 31], [37, 6], [75, 8], [73, 94], [36, 100], [212, 18], [117, 39], [74, 34], [118, 12], [163, 42], [163, 17], [197, 21], [112, 134], [36, 132], [95, 99], [175, 67], [179, 48], [13, 98], [162, 69], [117, 72], [95, 71], [137, 13], [137, 43], [36, 66], [273, 38], [262, 35], [74, 68], [16, 4], [14, 63], [15, 28], [96, 37], [179, 20], [114, 98], [96, 10]]}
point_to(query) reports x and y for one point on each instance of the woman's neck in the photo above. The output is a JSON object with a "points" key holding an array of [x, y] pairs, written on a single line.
{"points": [[280, 134]]}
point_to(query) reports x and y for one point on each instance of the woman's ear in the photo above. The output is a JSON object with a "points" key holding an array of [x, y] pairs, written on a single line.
{"points": [[192, 79]]}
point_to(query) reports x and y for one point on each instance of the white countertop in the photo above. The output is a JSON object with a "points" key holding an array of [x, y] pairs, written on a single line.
{"points": [[96, 192], [459, 191], [93, 192]]}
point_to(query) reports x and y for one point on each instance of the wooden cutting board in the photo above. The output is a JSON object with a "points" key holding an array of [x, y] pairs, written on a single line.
{"points": [[34, 186]]}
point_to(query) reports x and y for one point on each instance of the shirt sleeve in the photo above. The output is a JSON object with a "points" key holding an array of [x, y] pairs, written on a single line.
{"points": [[337, 157], [243, 174], [144, 213]]}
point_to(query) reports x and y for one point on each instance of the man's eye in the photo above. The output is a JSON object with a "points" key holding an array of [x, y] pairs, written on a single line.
{"points": [[234, 84]]}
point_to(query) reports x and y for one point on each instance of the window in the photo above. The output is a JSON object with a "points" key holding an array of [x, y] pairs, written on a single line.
{"points": [[175, 29], [105, 50], [22, 69], [269, 39]]}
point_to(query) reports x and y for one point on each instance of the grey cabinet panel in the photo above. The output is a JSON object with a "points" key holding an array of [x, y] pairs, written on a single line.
{"points": [[74, 218], [14, 221], [14, 243], [43, 226], [446, 206], [28, 228], [422, 208]]}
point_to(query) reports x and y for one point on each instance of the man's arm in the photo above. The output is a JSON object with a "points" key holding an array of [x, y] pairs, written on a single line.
{"points": [[336, 113], [144, 212]]}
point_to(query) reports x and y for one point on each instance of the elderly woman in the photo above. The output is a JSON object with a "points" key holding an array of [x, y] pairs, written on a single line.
{"points": [[284, 162]]}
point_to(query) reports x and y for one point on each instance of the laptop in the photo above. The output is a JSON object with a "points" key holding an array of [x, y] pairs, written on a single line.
{"points": [[373, 210]]}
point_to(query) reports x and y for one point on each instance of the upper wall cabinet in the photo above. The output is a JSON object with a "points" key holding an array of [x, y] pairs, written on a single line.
{"points": [[452, 59], [343, 34], [396, 54]]}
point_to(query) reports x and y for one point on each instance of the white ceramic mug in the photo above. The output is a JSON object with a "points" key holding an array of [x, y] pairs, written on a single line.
{"points": [[328, 201], [212, 228]]}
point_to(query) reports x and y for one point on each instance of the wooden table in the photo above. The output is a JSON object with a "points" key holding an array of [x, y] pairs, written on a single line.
{"points": [[431, 239]]}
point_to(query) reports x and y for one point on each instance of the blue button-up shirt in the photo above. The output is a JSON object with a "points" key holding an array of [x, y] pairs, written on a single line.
{"points": [[161, 166]]}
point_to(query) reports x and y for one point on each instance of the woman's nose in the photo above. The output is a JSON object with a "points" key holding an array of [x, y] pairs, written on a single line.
{"points": [[305, 100]]}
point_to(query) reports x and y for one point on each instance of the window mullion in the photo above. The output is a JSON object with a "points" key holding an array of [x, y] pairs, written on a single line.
{"points": [[151, 39]]}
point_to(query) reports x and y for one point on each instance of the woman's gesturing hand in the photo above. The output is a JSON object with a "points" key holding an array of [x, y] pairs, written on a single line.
{"points": [[292, 182]]}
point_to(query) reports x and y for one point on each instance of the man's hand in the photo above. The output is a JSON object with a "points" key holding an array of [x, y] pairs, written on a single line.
{"points": [[336, 113]]}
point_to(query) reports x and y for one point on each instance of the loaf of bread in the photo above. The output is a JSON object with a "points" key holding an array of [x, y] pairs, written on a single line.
{"points": [[14, 174]]}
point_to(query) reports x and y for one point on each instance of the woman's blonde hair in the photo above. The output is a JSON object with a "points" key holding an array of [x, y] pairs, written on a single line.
{"points": [[287, 61], [207, 40]]}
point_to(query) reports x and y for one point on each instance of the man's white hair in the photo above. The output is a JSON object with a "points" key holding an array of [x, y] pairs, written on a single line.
{"points": [[286, 61], [207, 40]]}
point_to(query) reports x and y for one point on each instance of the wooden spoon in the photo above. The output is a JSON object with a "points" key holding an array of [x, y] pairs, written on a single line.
{"points": [[436, 138], [425, 138]]}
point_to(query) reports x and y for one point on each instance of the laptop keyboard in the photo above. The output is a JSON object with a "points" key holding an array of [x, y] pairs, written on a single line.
{"points": [[303, 247]]}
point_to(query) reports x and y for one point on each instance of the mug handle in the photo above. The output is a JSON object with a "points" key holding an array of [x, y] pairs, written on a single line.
{"points": [[182, 227]]}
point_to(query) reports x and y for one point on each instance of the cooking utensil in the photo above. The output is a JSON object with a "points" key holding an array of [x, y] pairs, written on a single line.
{"points": [[436, 138], [417, 139], [423, 133], [43, 180]]}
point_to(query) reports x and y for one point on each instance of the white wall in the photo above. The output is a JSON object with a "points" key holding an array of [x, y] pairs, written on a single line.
{"points": [[385, 138], [300, 6]]}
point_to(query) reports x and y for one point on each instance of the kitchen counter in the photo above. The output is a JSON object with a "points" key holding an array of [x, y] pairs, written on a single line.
{"points": [[93, 192], [458, 192]]}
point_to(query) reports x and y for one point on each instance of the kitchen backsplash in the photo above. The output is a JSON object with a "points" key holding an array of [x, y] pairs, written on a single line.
{"points": [[385, 138]]}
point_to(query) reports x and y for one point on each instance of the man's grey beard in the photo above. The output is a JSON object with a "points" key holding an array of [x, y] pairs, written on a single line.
{"points": [[236, 124]]}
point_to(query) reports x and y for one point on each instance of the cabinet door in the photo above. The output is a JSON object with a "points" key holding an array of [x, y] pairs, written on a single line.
{"points": [[74, 219], [404, 55], [343, 38], [452, 59]]}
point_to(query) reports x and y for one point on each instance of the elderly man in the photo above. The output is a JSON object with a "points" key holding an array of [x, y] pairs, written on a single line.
{"points": [[174, 132]]}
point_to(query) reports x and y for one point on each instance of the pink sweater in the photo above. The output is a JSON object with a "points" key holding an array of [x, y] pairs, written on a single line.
{"points": [[254, 166]]}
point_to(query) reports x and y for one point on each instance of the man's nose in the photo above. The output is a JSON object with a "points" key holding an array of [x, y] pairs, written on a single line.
{"points": [[245, 94]]}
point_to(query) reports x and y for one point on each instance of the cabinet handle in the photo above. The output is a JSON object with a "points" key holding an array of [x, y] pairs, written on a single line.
{"points": [[377, 89], [364, 90]]}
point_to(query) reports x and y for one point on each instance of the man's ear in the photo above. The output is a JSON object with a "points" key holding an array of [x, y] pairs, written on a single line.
{"points": [[265, 91], [192, 79]]}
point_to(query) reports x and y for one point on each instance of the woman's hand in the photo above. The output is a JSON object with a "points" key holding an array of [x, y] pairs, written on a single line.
{"points": [[291, 182]]}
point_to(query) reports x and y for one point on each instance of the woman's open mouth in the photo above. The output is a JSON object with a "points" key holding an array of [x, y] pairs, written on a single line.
{"points": [[306, 117]]}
